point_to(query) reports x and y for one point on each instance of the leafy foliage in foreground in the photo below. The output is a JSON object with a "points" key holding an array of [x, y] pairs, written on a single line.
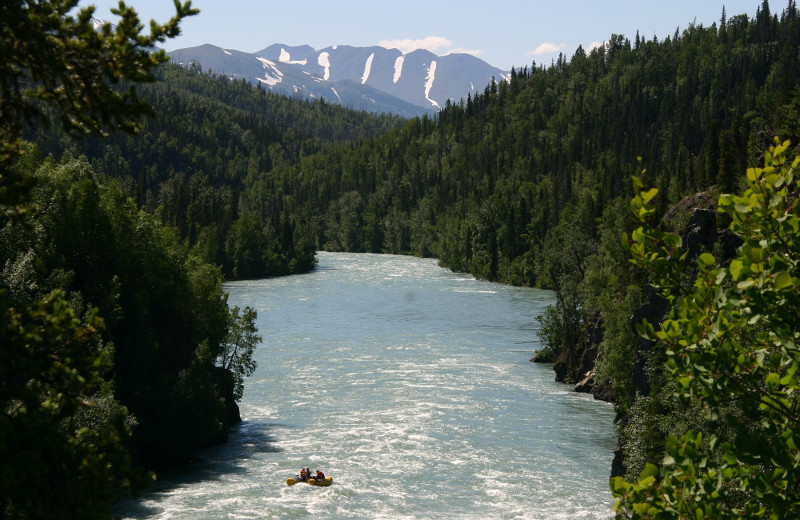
{"points": [[72, 247], [61, 432], [734, 338], [51, 58]]}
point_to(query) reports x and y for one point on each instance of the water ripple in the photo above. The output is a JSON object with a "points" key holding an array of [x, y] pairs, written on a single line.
{"points": [[411, 386]]}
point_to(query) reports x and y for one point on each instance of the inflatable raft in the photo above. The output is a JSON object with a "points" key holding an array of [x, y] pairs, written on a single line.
{"points": [[312, 481]]}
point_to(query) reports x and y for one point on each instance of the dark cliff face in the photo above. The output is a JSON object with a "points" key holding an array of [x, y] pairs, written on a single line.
{"points": [[576, 366], [654, 310], [699, 235], [225, 388]]}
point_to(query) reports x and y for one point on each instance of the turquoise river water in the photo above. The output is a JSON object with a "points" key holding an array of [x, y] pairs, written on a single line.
{"points": [[411, 386]]}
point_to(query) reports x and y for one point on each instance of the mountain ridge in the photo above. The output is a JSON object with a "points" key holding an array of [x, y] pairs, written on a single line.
{"points": [[374, 79]]}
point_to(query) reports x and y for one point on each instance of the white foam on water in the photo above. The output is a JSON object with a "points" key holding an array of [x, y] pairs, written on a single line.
{"points": [[416, 398]]}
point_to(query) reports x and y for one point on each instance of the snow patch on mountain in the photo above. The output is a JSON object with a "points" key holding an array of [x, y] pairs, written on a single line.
{"points": [[429, 83], [226, 52], [324, 61], [337, 94], [99, 22], [398, 68], [285, 57], [272, 76], [367, 68]]}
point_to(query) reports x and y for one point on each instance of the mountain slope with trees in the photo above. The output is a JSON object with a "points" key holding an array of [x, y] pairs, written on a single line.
{"points": [[212, 138], [485, 184]]}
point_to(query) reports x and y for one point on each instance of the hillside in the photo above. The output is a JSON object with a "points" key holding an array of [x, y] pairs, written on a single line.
{"points": [[211, 138], [484, 185]]}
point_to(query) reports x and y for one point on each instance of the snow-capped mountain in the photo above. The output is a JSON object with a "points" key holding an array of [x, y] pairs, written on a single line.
{"points": [[99, 22], [375, 79]]}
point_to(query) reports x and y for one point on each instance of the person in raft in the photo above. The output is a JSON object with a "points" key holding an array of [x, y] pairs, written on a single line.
{"points": [[320, 475]]}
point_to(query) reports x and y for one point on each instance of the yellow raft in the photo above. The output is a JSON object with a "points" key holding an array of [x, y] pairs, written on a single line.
{"points": [[312, 481]]}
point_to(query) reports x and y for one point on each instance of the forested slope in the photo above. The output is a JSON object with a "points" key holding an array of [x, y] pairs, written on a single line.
{"points": [[256, 182], [164, 315], [481, 186], [211, 139]]}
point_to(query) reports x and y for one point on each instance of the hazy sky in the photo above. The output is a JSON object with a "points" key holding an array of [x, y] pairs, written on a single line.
{"points": [[504, 33]]}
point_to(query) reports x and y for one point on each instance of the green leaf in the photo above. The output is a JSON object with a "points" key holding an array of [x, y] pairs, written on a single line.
{"points": [[773, 380], [730, 459], [744, 284], [706, 259], [648, 196], [618, 485], [783, 280], [735, 268], [646, 482], [650, 470]]}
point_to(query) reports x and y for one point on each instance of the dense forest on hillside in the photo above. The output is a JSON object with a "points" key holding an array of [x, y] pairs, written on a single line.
{"points": [[527, 183], [240, 172], [211, 139], [165, 317], [118, 351]]}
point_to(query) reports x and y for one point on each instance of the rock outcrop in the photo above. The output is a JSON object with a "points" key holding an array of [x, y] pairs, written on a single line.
{"points": [[225, 385], [576, 365], [654, 309]]}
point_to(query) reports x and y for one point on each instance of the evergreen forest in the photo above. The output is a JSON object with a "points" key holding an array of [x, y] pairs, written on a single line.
{"points": [[527, 183]]}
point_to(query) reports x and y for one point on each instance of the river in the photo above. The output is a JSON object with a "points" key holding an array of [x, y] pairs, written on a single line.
{"points": [[411, 386]]}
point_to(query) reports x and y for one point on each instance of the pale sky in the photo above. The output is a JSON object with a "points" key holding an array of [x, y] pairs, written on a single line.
{"points": [[504, 33]]}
